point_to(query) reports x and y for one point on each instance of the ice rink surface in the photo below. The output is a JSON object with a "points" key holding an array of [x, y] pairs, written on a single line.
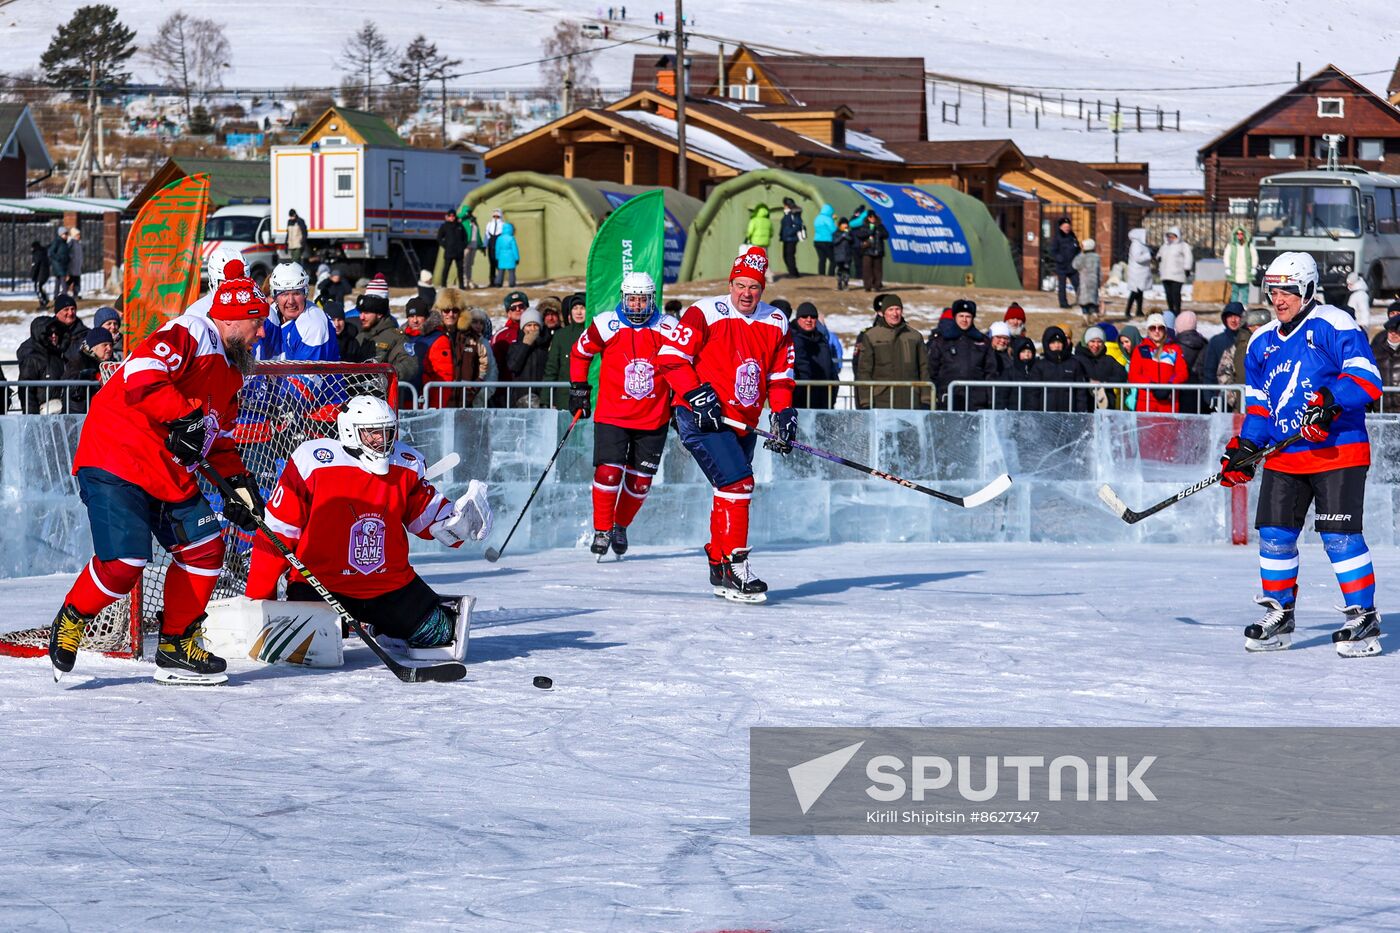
{"points": [[343, 799]]}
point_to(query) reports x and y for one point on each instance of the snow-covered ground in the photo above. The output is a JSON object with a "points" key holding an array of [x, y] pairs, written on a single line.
{"points": [[1196, 56], [618, 800]]}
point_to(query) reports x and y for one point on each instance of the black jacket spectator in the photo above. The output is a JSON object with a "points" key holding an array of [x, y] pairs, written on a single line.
{"points": [[1388, 361], [1059, 365], [82, 366], [351, 350], [791, 226], [1063, 248], [1104, 369], [526, 362], [1022, 370], [960, 355], [843, 246], [452, 238], [59, 253], [872, 238], [40, 357], [813, 359], [333, 294]]}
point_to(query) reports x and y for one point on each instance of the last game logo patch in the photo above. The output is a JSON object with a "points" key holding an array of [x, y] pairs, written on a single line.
{"points": [[639, 379], [746, 382], [323, 454], [367, 544]]}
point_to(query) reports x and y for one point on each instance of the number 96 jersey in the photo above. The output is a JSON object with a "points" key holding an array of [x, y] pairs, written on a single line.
{"points": [[747, 358]]}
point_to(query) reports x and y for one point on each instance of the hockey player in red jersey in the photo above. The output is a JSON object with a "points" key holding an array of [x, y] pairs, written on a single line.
{"points": [[170, 405], [634, 409], [724, 358], [346, 506]]}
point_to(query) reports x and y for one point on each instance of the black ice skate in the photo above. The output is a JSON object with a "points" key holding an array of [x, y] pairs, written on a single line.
{"points": [[1359, 636], [736, 580], [64, 637], [601, 541], [181, 661], [1274, 632], [619, 540]]}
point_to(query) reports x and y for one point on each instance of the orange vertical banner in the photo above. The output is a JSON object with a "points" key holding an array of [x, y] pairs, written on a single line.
{"points": [[160, 278]]}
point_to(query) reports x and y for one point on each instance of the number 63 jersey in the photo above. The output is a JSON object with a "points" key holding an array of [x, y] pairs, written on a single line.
{"points": [[747, 358], [630, 394]]}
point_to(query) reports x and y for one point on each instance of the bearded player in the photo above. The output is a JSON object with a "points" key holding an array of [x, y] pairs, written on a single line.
{"points": [[634, 410], [1310, 373], [346, 506], [725, 358], [172, 404]]}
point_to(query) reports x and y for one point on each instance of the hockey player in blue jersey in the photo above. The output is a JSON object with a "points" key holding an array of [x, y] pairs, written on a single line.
{"points": [[1310, 373], [297, 329]]}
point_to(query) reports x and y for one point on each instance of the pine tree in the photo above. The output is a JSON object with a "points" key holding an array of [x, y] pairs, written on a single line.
{"points": [[92, 37], [365, 51], [420, 63]]}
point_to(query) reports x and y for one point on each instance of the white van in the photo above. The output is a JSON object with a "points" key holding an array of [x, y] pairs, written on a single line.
{"points": [[248, 229]]}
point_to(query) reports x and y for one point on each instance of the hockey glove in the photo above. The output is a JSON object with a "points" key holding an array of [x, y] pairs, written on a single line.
{"points": [[188, 440], [1233, 470], [704, 405], [1322, 409], [246, 502], [784, 424], [581, 399], [469, 519]]}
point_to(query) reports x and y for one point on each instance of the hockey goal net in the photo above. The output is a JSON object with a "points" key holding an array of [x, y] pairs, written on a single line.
{"points": [[281, 405]]}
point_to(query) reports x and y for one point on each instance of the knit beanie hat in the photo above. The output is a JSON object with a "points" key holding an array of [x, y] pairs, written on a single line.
{"points": [[375, 300], [238, 300], [1015, 313], [752, 264]]}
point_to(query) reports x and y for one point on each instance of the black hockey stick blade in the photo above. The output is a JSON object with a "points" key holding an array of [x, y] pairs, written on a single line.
{"points": [[493, 555], [443, 672]]}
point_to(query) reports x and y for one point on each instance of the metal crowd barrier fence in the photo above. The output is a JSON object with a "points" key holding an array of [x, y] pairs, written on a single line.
{"points": [[823, 394], [47, 396], [968, 395]]}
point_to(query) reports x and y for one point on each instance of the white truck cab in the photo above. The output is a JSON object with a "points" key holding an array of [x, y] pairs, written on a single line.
{"points": [[248, 229]]}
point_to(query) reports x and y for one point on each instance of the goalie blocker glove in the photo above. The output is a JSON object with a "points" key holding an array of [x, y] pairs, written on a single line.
{"points": [[241, 508], [470, 519], [1233, 469], [581, 399], [704, 405], [784, 424]]}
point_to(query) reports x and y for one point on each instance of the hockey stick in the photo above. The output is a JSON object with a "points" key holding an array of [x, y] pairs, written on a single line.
{"points": [[442, 466], [437, 673], [493, 554], [1119, 508], [986, 494]]}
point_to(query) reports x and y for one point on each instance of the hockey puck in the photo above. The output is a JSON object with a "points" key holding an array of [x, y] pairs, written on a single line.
{"points": [[544, 683]]}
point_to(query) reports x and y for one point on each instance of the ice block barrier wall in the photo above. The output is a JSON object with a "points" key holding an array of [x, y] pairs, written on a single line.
{"points": [[1057, 461]]}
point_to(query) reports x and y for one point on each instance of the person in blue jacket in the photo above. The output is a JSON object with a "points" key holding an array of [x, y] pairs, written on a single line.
{"points": [[507, 256], [1309, 376], [823, 230]]}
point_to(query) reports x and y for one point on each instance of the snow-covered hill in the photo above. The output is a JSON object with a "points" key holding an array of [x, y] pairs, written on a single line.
{"points": [[1190, 55]]}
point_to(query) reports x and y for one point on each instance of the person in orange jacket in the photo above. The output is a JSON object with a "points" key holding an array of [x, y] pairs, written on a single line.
{"points": [[1158, 359], [433, 348]]}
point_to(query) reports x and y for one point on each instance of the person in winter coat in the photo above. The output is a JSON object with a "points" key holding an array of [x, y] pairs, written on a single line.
{"points": [[472, 231], [1111, 345], [1139, 277], [41, 358], [426, 291], [97, 348], [1209, 364], [890, 351], [39, 271], [843, 253], [1386, 346], [1057, 364], [575, 309], [1086, 267], [527, 359], [433, 349], [1193, 346], [507, 257], [1228, 373], [59, 252], [296, 236], [791, 231], [999, 337], [378, 335], [75, 262], [872, 236], [1064, 246], [1023, 362], [760, 229], [334, 292], [452, 245], [1359, 301], [1174, 262], [451, 304], [958, 352], [475, 361], [1015, 318], [812, 360], [1241, 259], [347, 338], [1157, 360], [1101, 369], [823, 232], [494, 227]]}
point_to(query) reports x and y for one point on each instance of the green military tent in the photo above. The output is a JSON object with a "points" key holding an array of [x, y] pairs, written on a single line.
{"points": [[555, 219], [938, 235]]}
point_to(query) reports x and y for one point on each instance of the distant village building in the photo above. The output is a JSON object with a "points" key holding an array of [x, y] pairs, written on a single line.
{"points": [[23, 152]]}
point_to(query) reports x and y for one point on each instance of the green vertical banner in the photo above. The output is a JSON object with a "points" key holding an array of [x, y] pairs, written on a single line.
{"points": [[632, 239]]}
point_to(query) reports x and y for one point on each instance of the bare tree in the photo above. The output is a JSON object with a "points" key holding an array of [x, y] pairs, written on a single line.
{"points": [[189, 54], [570, 65], [364, 52]]}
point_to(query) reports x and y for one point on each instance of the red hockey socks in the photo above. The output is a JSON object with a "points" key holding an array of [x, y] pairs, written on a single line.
{"points": [[189, 582], [729, 517], [635, 487], [607, 480], [102, 583]]}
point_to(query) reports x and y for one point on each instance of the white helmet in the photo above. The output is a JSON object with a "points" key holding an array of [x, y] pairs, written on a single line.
{"points": [[1293, 272], [288, 277], [218, 261], [638, 283], [362, 414]]}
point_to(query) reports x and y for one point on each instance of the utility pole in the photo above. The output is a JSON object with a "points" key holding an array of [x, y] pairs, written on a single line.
{"points": [[569, 84], [680, 97]]}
